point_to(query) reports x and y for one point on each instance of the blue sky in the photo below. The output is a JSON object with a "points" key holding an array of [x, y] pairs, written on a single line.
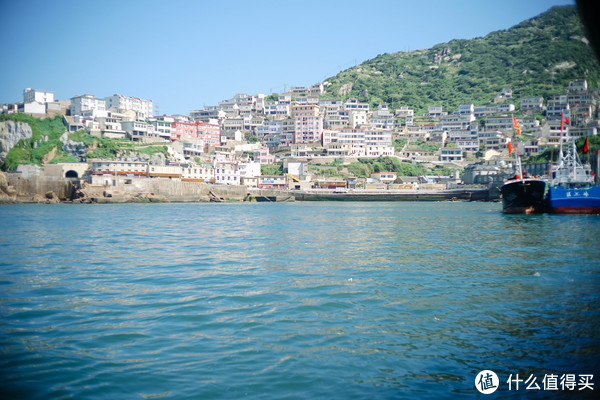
{"points": [[187, 54]]}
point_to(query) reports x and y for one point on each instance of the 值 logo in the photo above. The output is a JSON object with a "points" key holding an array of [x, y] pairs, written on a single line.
{"points": [[487, 381]]}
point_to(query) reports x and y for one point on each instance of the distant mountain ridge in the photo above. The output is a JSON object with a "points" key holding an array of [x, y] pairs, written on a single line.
{"points": [[537, 57]]}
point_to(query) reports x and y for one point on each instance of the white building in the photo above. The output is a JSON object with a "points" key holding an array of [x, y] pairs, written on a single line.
{"points": [[249, 169], [143, 108], [88, 102], [274, 109], [198, 173], [162, 125], [227, 173], [357, 118], [111, 126], [379, 151], [448, 154], [41, 96], [378, 137], [136, 129], [33, 107], [354, 104]]}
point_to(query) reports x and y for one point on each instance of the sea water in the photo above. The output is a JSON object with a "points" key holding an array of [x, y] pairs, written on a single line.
{"points": [[295, 300]]}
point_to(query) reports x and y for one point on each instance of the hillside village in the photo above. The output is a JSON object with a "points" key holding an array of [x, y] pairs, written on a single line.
{"points": [[298, 140]]}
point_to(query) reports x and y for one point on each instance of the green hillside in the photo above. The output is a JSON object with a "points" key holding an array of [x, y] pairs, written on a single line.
{"points": [[539, 56]]}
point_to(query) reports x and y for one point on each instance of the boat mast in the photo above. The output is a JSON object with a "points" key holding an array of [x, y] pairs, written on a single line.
{"points": [[560, 152]]}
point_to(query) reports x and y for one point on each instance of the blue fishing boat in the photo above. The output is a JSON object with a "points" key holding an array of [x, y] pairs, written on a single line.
{"points": [[573, 188]]}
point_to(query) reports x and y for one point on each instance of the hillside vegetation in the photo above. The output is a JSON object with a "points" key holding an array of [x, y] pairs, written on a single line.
{"points": [[537, 57], [44, 144]]}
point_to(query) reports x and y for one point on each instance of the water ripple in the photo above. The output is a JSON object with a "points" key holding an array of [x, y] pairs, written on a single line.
{"points": [[301, 300]]}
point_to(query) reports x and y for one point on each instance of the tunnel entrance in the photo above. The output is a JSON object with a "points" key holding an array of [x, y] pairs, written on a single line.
{"points": [[71, 174]]}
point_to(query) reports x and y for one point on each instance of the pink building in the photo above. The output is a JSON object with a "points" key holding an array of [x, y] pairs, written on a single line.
{"points": [[180, 129], [211, 133], [308, 123], [263, 156]]}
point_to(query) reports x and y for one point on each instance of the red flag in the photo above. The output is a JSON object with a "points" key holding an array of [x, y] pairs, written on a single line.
{"points": [[516, 125], [561, 123], [586, 146], [509, 148], [567, 121]]}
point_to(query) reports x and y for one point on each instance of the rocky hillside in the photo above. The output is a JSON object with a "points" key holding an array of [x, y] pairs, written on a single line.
{"points": [[11, 132], [537, 57]]}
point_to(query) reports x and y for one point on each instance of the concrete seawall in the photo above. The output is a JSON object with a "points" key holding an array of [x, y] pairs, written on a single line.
{"points": [[35, 189], [15, 188], [165, 190], [18, 188]]}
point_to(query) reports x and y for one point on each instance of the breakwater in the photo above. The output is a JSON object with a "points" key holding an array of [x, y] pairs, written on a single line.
{"points": [[365, 195], [161, 190]]}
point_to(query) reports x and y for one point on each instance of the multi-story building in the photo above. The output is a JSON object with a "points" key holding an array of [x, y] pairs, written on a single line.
{"points": [[111, 125], [119, 167], [358, 118], [379, 151], [288, 127], [308, 124], [272, 182], [210, 132], [532, 103], [577, 86], [330, 136], [276, 109], [198, 173], [208, 113], [192, 147], [165, 171], [503, 124], [227, 173], [263, 156], [41, 96], [143, 108], [269, 128], [435, 112], [179, 129], [354, 104], [233, 124], [466, 109], [162, 126], [381, 118], [404, 112], [454, 122], [378, 137], [449, 154], [88, 102], [337, 120], [137, 129], [467, 144], [249, 169]]}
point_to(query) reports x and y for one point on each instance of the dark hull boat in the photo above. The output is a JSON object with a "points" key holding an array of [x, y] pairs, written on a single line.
{"points": [[524, 196]]}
